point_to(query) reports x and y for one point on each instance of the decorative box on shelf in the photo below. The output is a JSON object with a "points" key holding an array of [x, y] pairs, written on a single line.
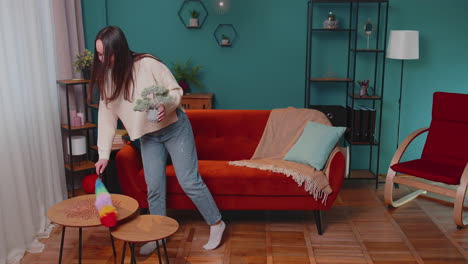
{"points": [[197, 101]]}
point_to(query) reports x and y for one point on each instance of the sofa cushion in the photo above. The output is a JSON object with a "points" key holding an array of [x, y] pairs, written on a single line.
{"points": [[227, 134], [315, 144], [431, 170], [224, 179]]}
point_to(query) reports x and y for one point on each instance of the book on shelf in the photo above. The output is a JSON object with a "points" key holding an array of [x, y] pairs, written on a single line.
{"points": [[354, 122], [118, 141], [371, 123], [361, 121]]}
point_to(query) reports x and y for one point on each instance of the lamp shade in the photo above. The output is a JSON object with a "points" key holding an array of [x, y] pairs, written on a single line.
{"points": [[403, 45]]}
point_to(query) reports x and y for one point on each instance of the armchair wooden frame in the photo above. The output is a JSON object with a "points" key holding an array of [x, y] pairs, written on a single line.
{"points": [[458, 194]]}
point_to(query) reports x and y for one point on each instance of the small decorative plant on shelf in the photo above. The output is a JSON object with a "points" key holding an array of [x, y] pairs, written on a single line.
{"points": [[194, 20], [83, 62], [225, 41], [186, 73], [157, 95]]}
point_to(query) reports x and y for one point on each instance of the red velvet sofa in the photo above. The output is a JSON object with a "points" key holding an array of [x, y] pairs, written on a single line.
{"points": [[222, 136]]}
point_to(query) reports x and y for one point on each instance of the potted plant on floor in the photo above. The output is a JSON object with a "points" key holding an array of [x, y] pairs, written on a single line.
{"points": [[194, 20], [185, 73], [83, 62]]}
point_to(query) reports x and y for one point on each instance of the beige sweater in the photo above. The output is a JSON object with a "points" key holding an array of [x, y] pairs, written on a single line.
{"points": [[148, 72]]}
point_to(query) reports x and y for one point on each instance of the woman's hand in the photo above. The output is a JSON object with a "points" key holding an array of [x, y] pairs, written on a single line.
{"points": [[101, 166], [161, 112]]}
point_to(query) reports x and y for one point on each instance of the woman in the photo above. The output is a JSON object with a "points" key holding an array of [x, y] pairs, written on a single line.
{"points": [[120, 76]]}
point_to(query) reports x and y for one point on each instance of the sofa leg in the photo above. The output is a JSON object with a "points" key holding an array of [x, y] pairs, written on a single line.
{"points": [[318, 221]]}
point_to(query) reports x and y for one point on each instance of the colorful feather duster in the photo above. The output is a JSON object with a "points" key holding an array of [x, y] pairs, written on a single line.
{"points": [[107, 212]]}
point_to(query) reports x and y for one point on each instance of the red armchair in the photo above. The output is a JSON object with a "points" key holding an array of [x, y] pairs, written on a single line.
{"points": [[222, 136], [444, 158]]}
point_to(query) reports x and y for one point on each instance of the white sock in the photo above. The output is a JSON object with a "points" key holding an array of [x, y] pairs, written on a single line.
{"points": [[216, 233], [148, 248]]}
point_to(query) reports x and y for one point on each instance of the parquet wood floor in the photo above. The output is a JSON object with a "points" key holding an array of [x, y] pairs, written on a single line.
{"points": [[358, 229]]}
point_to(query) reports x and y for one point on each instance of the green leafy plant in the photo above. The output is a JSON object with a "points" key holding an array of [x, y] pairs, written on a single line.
{"points": [[185, 71], [225, 37], [194, 13], [83, 61], [159, 95]]}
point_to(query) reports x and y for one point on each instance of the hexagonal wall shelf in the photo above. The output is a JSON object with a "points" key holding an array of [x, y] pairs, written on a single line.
{"points": [[225, 35], [192, 13]]}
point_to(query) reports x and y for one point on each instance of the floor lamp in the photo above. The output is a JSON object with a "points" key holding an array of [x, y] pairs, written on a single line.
{"points": [[403, 45]]}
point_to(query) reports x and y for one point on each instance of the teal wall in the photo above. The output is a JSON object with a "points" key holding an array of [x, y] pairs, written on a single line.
{"points": [[265, 67]]}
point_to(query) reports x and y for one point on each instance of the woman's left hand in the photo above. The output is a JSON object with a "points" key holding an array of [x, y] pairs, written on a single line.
{"points": [[161, 112]]}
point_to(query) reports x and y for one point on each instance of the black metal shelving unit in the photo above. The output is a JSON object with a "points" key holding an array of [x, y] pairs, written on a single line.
{"points": [[71, 166], [379, 9]]}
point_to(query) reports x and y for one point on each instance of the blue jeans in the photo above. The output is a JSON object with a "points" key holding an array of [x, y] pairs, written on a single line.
{"points": [[176, 140]]}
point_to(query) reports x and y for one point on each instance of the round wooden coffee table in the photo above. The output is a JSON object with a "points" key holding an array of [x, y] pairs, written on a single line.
{"points": [[145, 228], [81, 212]]}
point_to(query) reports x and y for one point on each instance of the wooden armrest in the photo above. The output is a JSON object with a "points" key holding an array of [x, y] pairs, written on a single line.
{"points": [[404, 145]]}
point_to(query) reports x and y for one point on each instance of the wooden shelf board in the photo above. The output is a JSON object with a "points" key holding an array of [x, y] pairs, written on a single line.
{"points": [[361, 174], [366, 97], [73, 81], [78, 192], [80, 166], [96, 106], [86, 126], [193, 26], [330, 80]]}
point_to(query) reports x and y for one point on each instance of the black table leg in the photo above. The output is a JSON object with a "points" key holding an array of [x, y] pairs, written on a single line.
{"points": [[123, 251], [79, 246], [61, 244], [133, 258], [165, 251], [113, 246], [159, 252]]}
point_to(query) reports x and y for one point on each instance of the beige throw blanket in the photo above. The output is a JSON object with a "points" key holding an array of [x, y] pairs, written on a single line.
{"points": [[283, 128]]}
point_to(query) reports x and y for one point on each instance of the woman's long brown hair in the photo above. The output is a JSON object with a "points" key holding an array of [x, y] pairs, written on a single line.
{"points": [[115, 43]]}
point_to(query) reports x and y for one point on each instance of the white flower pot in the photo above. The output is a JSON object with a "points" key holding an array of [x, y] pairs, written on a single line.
{"points": [[225, 42], [194, 22], [152, 115]]}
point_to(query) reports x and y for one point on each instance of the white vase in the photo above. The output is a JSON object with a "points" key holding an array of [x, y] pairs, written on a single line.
{"points": [[194, 22], [152, 115]]}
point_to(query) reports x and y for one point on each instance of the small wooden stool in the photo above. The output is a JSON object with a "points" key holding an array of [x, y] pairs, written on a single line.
{"points": [[81, 212], [145, 228]]}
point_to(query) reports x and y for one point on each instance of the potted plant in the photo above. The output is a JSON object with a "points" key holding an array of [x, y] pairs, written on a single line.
{"points": [[186, 73], [225, 40], [151, 97], [194, 20], [83, 62]]}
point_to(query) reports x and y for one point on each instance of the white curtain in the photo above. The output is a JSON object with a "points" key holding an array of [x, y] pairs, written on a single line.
{"points": [[31, 163]]}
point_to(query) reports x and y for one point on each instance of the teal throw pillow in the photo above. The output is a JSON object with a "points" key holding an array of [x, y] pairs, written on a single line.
{"points": [[315, 144]]}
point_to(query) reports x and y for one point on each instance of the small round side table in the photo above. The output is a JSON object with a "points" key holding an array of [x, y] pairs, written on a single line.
{"points": [[145, 228], [81, 212]]}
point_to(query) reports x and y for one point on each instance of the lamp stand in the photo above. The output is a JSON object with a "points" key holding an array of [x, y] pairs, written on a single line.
{"points": [[399, 103]]}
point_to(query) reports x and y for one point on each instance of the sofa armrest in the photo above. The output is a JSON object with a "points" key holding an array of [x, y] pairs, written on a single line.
{"points": [[335, 170]]}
